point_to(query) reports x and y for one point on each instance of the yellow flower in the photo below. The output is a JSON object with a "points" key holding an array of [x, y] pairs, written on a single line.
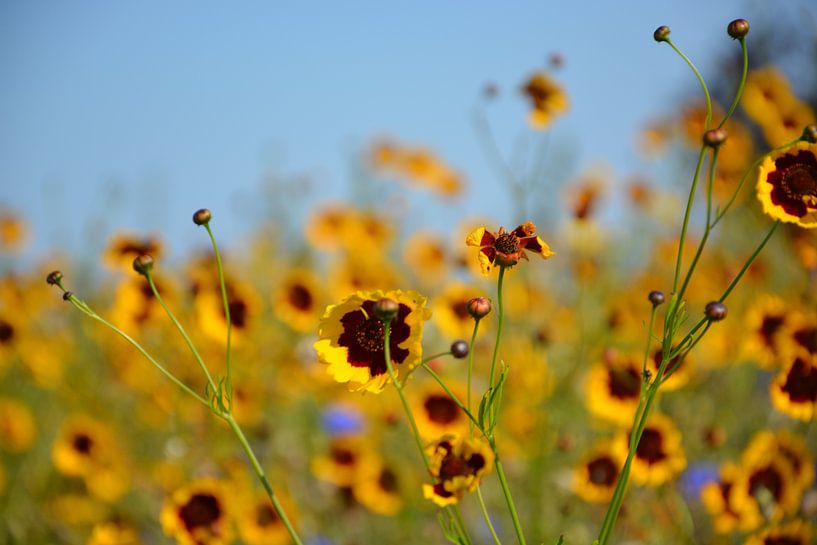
{"points": [[506, 248], [436, 413], [124, 248], [765, 322], [659, 455], [351, 338], [765, 487], [113, 533], [297, 300], [345, 459], [197, 514], [794, 389], [451, 312], [259, 524], [787, 185], [595, 477], [782, 444], [547, 97], [17, 427], [13, 232], [377, 489], [243, 303], [426, 255], [613, 388], [716, 499], [457, 465], [796, 532]]}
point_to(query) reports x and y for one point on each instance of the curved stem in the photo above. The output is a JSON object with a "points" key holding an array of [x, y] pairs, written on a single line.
{"points": [[500, 319], [700, 80], [259, 471], [741, 85], [453, 396], [487, 517], [178, 325], [222, 283]]}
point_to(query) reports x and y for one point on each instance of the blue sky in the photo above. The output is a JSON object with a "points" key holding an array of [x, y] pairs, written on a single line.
{"points": [[134, 114]]}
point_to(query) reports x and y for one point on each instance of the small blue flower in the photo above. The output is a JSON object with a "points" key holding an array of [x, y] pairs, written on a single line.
{"points": [[340, 419], [696, 476]]}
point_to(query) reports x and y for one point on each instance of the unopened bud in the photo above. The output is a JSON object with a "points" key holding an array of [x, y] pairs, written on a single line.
{"points": [[478, 307], [656, 297], [67, 296], [715, 311], [715, 137], [202, 217], [386, 309], [738, 28], [810, 134], [143, 264], [661, 34], [54, 278], [459, 349]]}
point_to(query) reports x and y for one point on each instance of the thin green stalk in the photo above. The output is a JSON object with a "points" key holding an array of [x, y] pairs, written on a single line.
{"points": [[451, 395], [259, 471], [684, 226], [487, 517], [500, 319], [178, 325], [82, 306], [470, 371], [649, 340], [455, 510], [707, 228], [700, 80], [228, 357], [424, 361], [749, 262], [741, 85], [503, 481]]}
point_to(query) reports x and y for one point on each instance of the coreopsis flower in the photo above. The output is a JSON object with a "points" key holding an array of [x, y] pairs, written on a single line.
{"points": [[457, 465], [297, 300], [507, 248], [197, 514], [787, 185], [715, 497], [113, 533], [436, 413], [796, 532], [765, 487], [659, 455], [377, 489], [13, 231], [794, 389], [613, 387], [344, 460], [259, 523], [547, 97], [351, 338], [124, 248], [595, 478]]}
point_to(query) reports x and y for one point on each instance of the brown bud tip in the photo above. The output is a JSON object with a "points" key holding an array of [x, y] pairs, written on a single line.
{"points": [[478, 307], [67, 296], [656, 297], [54, 278], [459, 349], [202, 217], [738, 28], [661, 34], [810, 134], [386, 309], [715, 311], [143, 264], [715, 137]]}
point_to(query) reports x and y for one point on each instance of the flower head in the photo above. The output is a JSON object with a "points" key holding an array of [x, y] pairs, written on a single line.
{"points": [[506, 248], [458, 465], [547, 97], [787, 185], [352, 338], [197, 514]]}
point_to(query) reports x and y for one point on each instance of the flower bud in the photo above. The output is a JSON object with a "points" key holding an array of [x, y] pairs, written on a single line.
{"points": [[478, 307], [67, 296], [810, 134], [459, 349], [656, 297], [202, 217], [715, 137], [738, 28], [54, 278], [661, 34], [715, 311], [386, 309], [143, 264]]}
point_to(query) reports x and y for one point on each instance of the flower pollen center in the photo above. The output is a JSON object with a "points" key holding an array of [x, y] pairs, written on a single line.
{"points": [[507, 243], [201, 510], [602, 471], [369, 335]]}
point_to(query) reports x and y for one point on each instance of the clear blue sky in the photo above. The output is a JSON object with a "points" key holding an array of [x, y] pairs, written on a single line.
{"points": [[145, 111]]}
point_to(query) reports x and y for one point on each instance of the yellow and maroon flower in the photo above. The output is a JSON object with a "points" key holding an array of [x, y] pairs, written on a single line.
{"points": [[124, 248], [547, 97], [457, 465], [351, 338], [794, 389], [787, 185], [197, 514], [796, 532], [436, 413], [765, 488], [659, 455], [296, 301], [506, 248], [259, 524], [613, 387], [378, 490], [595, 478], [715, 497]]}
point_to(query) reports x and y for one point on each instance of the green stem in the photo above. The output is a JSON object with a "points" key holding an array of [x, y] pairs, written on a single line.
{"points": [[700, 80], [259, 471], [222, 283], [178, 325], [470, 371], [83, 307], [423, 362], [684, 226], [741, 85], [649, 341], [451, 395], [487, 517], [749, 262], [503, 481], [500, 319]]}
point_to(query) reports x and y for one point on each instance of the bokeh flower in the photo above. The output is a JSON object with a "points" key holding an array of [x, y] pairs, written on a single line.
{"points": [[506, 248], [787, 185]]}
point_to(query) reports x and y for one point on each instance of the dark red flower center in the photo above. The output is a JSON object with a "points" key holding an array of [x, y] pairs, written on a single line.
{"points": [[300, 297], [507, 243], [769, 326], [801, 382], [807, 338], [201, 510], [602, 471], [363, 336], [651, 446], [441, 409], [82, 443], [672, 365], [794, 183], [239, 312], [625, 383], [342, 456], [783, 540], [387, 481], [460, 310], [766, 478], [266, 516], [6, 332]]}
